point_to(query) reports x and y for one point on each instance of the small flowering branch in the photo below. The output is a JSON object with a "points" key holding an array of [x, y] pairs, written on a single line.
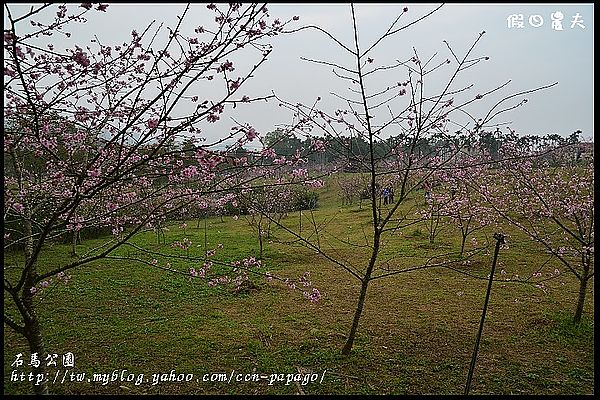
{"points": [[43, 288], [241, 269], [183, 245]]}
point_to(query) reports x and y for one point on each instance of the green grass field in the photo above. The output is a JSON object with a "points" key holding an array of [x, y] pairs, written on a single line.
{"points": [[416, 334]]}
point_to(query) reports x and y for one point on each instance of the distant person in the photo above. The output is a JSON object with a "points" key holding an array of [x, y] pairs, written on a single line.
{"points": [[391, 201], [385, 195]]}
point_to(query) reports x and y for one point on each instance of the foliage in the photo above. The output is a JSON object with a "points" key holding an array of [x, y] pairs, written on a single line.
{"points": [[97, 137]]}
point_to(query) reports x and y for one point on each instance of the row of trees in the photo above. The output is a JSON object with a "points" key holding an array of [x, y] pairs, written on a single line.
{"points": [[92, 140], [420, 117], [342, 149]]}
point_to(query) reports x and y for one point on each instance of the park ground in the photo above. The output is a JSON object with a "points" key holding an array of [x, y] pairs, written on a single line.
{"points": [[416, 334]]}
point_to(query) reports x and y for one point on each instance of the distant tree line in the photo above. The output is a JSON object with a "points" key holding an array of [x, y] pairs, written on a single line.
{"points": [[342, 149]]}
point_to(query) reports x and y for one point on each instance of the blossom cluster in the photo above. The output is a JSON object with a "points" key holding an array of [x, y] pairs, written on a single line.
{"points": [[38, 289]]}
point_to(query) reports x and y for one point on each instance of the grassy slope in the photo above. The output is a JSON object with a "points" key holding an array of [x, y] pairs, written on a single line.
{"points": [[415, 337]]}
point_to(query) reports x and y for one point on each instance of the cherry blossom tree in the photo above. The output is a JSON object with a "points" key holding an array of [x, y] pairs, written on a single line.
{"points": [[277, 197], [411, 115], [88, 137], [351, 187], [437, 200], [551, 199], [272, 200], [465, 207]]}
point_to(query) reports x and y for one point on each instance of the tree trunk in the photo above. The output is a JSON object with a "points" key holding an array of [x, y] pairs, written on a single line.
{"points": [[581, 299], [462, 245], [35, 340], [158, 231], [582, 287], [357, 314], [363, 293], [432, 230], [33, 333], [464, 231]]}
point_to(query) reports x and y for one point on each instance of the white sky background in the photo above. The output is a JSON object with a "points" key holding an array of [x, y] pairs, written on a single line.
{"points": [[529, 56]]}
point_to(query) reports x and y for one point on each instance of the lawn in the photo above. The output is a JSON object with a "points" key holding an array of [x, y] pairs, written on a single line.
{"points": [[415, 336]]}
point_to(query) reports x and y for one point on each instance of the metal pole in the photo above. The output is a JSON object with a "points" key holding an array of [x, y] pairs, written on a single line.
{"points": [[499, 241]]}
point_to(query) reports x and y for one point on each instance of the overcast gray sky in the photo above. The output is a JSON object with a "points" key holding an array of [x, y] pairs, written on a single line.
{"points": [[529, 56]]}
